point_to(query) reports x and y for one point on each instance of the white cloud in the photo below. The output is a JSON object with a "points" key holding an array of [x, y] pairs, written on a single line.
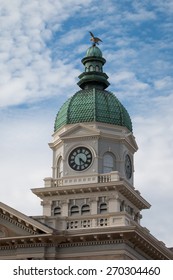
{"points": [[128, 84], [73, 36], [27, 69], [140, 15], [25, 157], [164, 6], [153, 167], [164, 83]]}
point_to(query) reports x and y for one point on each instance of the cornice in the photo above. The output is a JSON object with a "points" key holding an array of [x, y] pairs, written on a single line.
{"points": [[22, 221], [122, 186], [136, 237], [18, 224]]}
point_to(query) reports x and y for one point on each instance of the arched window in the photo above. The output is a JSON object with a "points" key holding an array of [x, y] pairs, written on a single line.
{"points": [[91, 68], [74, 210], [97, 68], [103, 207], [108, 163], [59, 168], [85, 209], [57, 211]]}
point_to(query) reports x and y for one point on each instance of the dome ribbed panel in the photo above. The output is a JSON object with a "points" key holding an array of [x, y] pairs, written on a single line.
{"points": [[62, 115], [81, 107], [110, 110], [93, 105]]}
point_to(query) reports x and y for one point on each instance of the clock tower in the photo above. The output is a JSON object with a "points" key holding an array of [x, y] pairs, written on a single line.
{"points": [[91, 208], [91, 199]]}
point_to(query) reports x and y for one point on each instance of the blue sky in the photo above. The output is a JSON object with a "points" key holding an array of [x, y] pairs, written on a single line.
{"points": [[42, 44]]}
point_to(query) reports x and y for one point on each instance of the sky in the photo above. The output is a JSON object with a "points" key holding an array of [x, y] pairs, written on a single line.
{"points": [[42, 43]]}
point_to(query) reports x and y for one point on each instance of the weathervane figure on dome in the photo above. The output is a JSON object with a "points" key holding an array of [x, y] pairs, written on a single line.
{"points": [[95, 40]]}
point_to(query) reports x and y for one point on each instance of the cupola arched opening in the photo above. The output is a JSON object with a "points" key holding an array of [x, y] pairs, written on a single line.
{"points": [[91, 68], [97, 68]]}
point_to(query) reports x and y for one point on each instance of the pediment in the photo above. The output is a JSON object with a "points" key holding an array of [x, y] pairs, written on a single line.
{"points": [[80, 130], [14, 223]]}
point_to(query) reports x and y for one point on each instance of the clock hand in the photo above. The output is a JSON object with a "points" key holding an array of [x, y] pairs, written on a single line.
{"points": [[81, 161]]}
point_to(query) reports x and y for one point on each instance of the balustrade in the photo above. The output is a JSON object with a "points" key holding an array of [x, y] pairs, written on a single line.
{"points": [[80, 180], [104, 221]]}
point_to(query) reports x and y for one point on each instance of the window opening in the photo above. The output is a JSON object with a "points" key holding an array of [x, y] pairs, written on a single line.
{"points": [[85, 209], [91, 68], [74, 210], [57, 211], [103, 208], [108, 163]]}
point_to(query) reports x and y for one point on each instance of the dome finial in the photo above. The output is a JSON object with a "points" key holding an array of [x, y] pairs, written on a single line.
{"points": [[95, 40], [93, 75]]}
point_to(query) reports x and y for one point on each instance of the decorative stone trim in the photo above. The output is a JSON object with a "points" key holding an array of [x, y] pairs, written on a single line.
{"points": [[91, 243], [19, 225], [3, 231]]}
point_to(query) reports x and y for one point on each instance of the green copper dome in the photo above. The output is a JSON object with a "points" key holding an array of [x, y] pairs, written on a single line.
{"points": [[93, 102], [93, 105], [94, 51]]}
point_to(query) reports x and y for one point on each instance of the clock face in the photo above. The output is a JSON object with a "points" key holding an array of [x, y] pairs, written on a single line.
{"points": [[80, 158], [128, 167]]}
